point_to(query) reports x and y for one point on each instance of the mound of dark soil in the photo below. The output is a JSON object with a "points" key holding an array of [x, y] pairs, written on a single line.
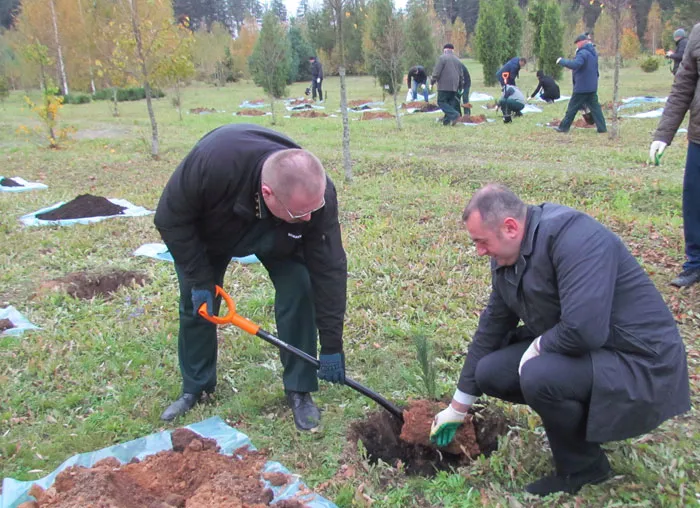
{"points": [[385, 438], [85, 205], [194, 475], [310, 114], [359, 102], [199, 111], [9, 182], [89, 285], [472, 119], [251, 112], [376, 115], [6, 324]]}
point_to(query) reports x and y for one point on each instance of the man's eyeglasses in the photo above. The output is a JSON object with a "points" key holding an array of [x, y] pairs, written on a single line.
{"points": [[299, 216]]}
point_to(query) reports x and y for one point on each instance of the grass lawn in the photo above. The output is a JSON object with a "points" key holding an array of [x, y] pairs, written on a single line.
{"points": [[100, 372]]}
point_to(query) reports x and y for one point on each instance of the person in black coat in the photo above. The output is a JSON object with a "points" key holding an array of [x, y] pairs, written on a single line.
{"points": [[316, 78], [574, 328], [417, 77], [512, 69], [548, 87], [245, 189], [464, 92], [681, 43]]}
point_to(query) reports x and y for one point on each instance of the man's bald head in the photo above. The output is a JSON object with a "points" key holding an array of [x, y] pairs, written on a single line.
{"points": [[294, 172]]}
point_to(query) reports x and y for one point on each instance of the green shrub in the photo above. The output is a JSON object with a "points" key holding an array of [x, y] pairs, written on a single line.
{"points": [[127, 94], [650, 64], [76, 98]]}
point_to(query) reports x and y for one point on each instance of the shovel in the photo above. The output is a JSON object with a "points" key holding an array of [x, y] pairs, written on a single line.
{"points": [[232, 317]]}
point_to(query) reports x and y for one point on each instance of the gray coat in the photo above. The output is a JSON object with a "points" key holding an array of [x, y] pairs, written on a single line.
{"points": [[448, 73], [578, 287]]}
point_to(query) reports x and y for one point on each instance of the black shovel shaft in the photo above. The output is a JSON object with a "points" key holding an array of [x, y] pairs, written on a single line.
{"points": [[268, 337]]}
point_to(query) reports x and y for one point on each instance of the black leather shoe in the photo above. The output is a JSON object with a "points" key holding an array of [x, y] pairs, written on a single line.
{"points": [[572, 483], [560, 130], [306, 414], [686, 278], [180, 406]]}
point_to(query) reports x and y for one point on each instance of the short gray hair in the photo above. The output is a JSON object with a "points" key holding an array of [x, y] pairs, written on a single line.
{"points": [[292, 170], [495, 202]]}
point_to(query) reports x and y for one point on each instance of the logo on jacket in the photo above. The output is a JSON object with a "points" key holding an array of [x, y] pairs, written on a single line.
{"points": [[292, 235]]}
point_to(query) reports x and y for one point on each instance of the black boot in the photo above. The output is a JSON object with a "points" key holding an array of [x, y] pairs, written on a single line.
{"points": [[179, 407], [572, 483], [306, 414], [687, 278]]}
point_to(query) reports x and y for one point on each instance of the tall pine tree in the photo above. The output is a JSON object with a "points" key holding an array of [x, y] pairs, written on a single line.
{"points": [[419, 45], [550, 43], [491, 39], [513, 18]]}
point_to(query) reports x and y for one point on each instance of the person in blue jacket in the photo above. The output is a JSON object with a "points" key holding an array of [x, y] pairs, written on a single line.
{"points": [[585, 77], [512, 67]]}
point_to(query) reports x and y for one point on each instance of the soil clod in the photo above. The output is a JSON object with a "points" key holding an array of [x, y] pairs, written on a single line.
{"points": [[6, 324], [376, 115], [310, 114], [85, 205], [472, 119], [85, 285], [250, 112], [199, 111], [9, 182]]}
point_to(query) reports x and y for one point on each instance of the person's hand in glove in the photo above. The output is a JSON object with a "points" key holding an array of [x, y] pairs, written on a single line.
{"points": [[669, 53], [529, 354], [332, 368], [203, 295], [655, 151], [558, 59], [445, 425], [318, 80]]}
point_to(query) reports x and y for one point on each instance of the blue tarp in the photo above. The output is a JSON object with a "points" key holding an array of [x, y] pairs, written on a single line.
{"points": [[131, 210], [160, 251], [229, 439], [24, 185], [21, 323]]}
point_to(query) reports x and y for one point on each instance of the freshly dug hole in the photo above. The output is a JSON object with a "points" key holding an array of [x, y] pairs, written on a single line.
{"points": [[84, 285], [384, 437]]}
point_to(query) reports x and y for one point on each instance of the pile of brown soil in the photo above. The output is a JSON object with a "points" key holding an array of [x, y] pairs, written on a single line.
{"points": [[374, 115], [86, 286], [472, 119], [359, 102], [298, 102], [582, 124], [384, 437], [251, 112], [257, 101], [6, 324], [413, 104], [85, 205], [197, 111], [9, 182], [192, 475], [310, 114]]}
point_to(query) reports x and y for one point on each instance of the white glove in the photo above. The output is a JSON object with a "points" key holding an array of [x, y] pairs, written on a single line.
{"points": [[530, 353], [318, 80], [656, 149], [669, 53], [445, 425], [558, 59]]}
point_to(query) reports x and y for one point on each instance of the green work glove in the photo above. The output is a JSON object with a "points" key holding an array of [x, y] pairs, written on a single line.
{"points": [[445, 426]]}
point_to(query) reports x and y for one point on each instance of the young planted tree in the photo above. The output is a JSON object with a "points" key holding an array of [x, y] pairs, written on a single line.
{"points": [[550, 43], [419, 44], [179, 68], [491, 39], [269, 63], [652, 37], [59, 50], [629, 44], [513, 20], [458, 36], [616, 9]]}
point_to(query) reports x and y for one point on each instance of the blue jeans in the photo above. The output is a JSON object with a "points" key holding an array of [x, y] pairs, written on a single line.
{"points": [[691, 208], [414, 90]]}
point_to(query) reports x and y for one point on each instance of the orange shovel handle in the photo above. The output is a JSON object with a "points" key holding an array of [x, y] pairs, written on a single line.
{"points": [[232, 317]]}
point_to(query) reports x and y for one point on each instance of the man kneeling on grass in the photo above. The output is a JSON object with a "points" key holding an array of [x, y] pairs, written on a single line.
{"points": [[597, 356]]}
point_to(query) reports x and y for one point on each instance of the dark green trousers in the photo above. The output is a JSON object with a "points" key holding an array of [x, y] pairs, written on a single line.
{"points": [[577, 102], [449, 104], [294, 314]]}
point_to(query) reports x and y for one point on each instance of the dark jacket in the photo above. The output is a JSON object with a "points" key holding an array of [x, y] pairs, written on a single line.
{"points": [[466, 80], [677, 56], [213, 199], [549, 88], [685, 95], [447, 73], [585, 67], [512, 67], [578, 287], [316, 70], [416, 73]]}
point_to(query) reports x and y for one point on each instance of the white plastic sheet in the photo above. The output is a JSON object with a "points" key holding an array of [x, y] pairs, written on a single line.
{"points": [[529, 108], [479, 97], [656, 113], [131, 210], [160, 251], [25, 185], [560, 99], [21, 323]]}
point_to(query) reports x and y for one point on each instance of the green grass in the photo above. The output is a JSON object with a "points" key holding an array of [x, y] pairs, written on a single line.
{"points": [[100, 372]]}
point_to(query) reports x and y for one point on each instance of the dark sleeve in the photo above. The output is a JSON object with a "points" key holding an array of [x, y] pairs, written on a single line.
{"points": [[574, 64], [408, 78], [320, 70], [680, 50], [328, 269], [467, 78], [508, 92], [682, 92], [437, 70], [539, 87], [495, 323], [585, 259]]}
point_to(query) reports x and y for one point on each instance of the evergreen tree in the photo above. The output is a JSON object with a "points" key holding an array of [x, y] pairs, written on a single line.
{"points": [[490, 39], [550, 43], [513, 18], [278, 7], [535, 15], [8, 10], [269, 63], [420, 46], [300, 51]]}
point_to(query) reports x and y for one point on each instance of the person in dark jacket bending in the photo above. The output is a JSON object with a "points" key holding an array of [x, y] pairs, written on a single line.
{"points": [[464, 92], [585, 78], [597, 355], [316, 78], [245, 189], [548, 87], [416, 78], [681, 43], [512, 67]]}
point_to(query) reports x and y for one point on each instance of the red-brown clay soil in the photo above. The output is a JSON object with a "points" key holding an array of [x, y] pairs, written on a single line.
{"points": [[197, 111], [420, 106], [257, 101], [86, 285], [85, 205], [309, 114], [375, 115], [581, 123], [192, 475], [472, 119], [9, 182], [250, 112], [6, 324], [554, 123], [359, 102], [299, 102]]}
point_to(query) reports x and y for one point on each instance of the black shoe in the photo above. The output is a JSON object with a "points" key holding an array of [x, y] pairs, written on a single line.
{"points": [[572, 483], [518, 113], [180, 406], [687, 278], [306, 414], [559, 129]]}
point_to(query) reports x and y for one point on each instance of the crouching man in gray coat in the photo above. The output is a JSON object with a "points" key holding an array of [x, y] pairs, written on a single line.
{"points": [[597, 354]]}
